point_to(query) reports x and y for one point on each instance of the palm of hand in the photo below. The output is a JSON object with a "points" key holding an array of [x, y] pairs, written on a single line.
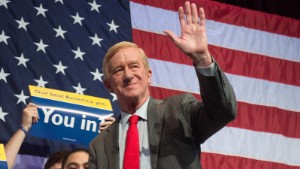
{"points": [[193, 39]]}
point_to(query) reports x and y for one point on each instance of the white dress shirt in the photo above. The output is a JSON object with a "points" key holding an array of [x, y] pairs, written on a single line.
{"points": [[143, 136]]}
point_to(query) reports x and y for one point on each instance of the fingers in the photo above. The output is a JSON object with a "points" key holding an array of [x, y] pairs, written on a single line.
{"points": [[202, 16], [104, 124], [187, 15], [32, 105], [112, 119], [181, 16], [35, 118], [171, 35], [31, 111], [30, 115], [190, 12], [194, 13]]}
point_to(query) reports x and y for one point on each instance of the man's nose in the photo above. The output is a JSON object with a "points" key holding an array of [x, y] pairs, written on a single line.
{"points": [[128, 74]]}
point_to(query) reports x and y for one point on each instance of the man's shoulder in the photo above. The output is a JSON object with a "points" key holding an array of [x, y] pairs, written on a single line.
{"points": [[179, 97], [174, 99], [105, 133], [97, 138]]}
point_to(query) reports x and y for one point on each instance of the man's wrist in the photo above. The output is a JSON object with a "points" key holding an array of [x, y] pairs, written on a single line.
{"points": [[203, 60], [207, 71]]}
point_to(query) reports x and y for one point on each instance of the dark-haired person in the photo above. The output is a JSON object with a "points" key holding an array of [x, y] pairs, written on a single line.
{"points": [[76, 159], [55, 160]]}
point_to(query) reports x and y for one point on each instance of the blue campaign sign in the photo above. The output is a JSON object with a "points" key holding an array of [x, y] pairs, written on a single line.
{"points": [[68, 117], [3, 165]]}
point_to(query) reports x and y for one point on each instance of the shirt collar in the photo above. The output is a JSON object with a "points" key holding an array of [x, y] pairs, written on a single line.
{"points": [[141, 112]]}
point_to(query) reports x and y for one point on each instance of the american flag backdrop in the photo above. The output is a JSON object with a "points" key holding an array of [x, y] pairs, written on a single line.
{"points": [[57, 44], [60, 44]]}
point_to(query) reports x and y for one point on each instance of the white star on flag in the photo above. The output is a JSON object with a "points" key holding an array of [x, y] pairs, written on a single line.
{"points": [[77, 19], [60, 32], [41, 10], [2, 114], [21, 97], [61, 1], [3, 37], [95, 6], [78, 53], [60, 68], [22, 60], [79, 89], [3, 75], [112, 26], [96, 40], [97, 75], [41, 46], [41, 82], [114, 96], [22, 24], [4, 3]]}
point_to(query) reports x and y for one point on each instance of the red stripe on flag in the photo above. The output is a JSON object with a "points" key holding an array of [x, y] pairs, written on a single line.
{"points": [[212, 160], [267, 119], [231, 61], [236, 15], [253, 117]]}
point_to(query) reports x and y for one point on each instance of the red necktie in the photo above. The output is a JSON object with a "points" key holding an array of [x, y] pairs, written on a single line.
{"points": [[132, 148]]}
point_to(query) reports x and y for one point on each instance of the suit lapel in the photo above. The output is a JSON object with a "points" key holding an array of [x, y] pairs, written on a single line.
{"points": [[154, 114], [112, 145]]}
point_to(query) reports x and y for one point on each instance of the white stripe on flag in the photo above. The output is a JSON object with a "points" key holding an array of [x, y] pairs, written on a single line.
{"points": [[250, 90], [254, 145]]}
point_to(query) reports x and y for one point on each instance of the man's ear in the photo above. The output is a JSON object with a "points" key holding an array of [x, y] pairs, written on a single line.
{"points": [[149, 76], [107, 85]]}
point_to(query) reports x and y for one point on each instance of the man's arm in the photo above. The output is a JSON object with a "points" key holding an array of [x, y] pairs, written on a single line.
{"points": [[217, 93], [219, 102]]}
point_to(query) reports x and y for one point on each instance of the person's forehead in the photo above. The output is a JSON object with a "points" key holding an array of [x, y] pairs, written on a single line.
{"points": [[128, 50], [127, 55], [78, 156]]}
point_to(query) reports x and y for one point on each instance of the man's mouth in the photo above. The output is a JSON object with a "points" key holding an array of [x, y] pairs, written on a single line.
{"points": [[129, 84]]}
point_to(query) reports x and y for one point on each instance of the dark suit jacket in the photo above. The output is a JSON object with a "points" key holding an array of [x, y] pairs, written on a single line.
{"points": [[176, 126]]}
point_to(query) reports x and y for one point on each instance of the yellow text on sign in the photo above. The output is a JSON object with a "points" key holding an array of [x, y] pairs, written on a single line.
{"points": [[69, 97]]}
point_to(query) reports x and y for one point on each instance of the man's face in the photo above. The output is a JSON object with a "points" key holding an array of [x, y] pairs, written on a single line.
{"points": [[77, 160], [128, 76]]}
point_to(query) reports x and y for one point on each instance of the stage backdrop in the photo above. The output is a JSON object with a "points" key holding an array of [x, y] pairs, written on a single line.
{"points": [[60, 44]]}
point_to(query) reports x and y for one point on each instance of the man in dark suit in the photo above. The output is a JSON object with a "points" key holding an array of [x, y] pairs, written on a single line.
{"points": [[171, 130]]}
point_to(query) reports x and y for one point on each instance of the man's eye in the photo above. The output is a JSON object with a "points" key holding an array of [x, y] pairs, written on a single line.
{"points": [[72, 167], [117, 71], [134, 66]]}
